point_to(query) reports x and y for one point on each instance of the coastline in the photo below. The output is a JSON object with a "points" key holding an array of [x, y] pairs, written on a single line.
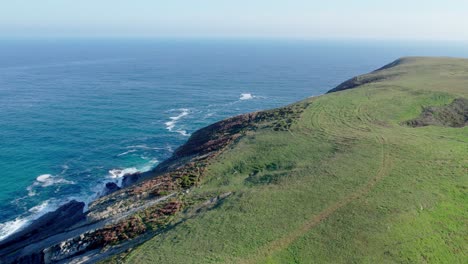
{"points": [[198, 148], [40, 200], [202, 146], [157, 196]]}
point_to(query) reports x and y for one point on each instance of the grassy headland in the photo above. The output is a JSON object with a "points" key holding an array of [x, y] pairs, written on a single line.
{"points": [[349, 180]]}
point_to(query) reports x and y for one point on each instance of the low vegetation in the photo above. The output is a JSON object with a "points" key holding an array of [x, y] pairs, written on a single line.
{"points": [[454, 115], [339, 178]]}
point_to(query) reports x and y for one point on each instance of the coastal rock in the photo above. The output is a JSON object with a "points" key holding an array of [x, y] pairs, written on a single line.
{"points": [[145, 202], [130, 179], [49, 224], [133, 178], [110, 187]]}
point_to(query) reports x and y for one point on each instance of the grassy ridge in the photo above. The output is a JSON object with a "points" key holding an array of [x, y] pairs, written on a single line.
{"points": [[346, 183]]}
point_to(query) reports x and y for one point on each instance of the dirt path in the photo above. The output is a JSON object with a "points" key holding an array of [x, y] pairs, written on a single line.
{"points": [[284, 242]]}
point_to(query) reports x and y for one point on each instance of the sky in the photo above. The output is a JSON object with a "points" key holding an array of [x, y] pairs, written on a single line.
{"points": [[298, 19]]}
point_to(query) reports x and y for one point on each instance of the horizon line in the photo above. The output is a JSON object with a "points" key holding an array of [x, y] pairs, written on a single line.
{"points": [[236, 38]]}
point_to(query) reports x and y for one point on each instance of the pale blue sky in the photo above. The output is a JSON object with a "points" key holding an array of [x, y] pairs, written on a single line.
{"points": [[377, 19]]}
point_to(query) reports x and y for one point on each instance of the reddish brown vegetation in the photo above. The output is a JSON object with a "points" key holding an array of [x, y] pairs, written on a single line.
{"points": [[130, 228]]}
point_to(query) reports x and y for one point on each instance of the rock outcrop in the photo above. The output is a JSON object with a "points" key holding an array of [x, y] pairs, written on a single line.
{"points": [[146, 202], [111, 187], [452, 115], [13, 248]]}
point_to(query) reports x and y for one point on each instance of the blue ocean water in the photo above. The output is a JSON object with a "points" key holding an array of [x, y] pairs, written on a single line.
{"points": [[75, 114]]}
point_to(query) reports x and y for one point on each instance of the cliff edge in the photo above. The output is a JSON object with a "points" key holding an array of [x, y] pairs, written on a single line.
{"points": [[342, 176]]}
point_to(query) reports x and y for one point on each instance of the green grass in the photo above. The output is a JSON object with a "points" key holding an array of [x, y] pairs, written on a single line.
{"points": [[346, 184]]}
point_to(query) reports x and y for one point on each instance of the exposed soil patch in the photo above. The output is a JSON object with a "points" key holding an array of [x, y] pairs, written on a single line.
{"points": [[452, 115]]}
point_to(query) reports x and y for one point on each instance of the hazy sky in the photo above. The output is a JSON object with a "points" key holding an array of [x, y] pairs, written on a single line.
{"points": [[377, 19]]}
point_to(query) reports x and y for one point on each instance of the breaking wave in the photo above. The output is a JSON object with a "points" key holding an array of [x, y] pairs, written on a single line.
{"points": [[170, 125], [246, 96], [46, 180], [126, 152], [119, 173], [10, 227]]}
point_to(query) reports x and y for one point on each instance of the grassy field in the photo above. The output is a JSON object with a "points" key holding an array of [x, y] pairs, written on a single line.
{"points": [[348, 183]]}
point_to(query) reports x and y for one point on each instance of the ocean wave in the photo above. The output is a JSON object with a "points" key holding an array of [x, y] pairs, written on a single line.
{"points": [[13, 226], [10, 227], [149, 166], [31, 191], [170, 125], [209, 115], [119, 173], [46, 180], [126, 152], [65, 168], [246, 96], [183, 132], [142, 146]]}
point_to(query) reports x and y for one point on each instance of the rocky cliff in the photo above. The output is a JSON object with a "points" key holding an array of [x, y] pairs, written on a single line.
{"points": [[145, 205]]}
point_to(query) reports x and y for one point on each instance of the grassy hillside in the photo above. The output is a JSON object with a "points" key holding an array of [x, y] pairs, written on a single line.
{"points": [[350, 181]]}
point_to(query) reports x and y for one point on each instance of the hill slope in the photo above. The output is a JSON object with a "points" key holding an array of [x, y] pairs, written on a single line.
{"points": [[348, 179]]}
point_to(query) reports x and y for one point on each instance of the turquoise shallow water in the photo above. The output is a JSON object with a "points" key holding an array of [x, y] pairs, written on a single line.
{"points": [[77, 113]]}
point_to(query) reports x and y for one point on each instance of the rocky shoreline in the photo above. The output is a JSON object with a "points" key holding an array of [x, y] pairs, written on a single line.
{"points": [[143, 206]]}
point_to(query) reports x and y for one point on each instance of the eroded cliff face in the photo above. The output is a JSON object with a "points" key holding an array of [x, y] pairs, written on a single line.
{"points": [[146, 204], [378, 75], [453, 115]]}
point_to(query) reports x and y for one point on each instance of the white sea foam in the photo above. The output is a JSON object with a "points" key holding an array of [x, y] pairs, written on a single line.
{"points": [[170, 125], [31, 191], [246, 96], [143, 146], [182, 132], [149, 166], [40, 208], [119, 173], [46, 180], [65, 168], [10, 227], [126, 152]]}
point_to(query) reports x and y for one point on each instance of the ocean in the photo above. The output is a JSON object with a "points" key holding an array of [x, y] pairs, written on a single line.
{"points": [[77, 113]]}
